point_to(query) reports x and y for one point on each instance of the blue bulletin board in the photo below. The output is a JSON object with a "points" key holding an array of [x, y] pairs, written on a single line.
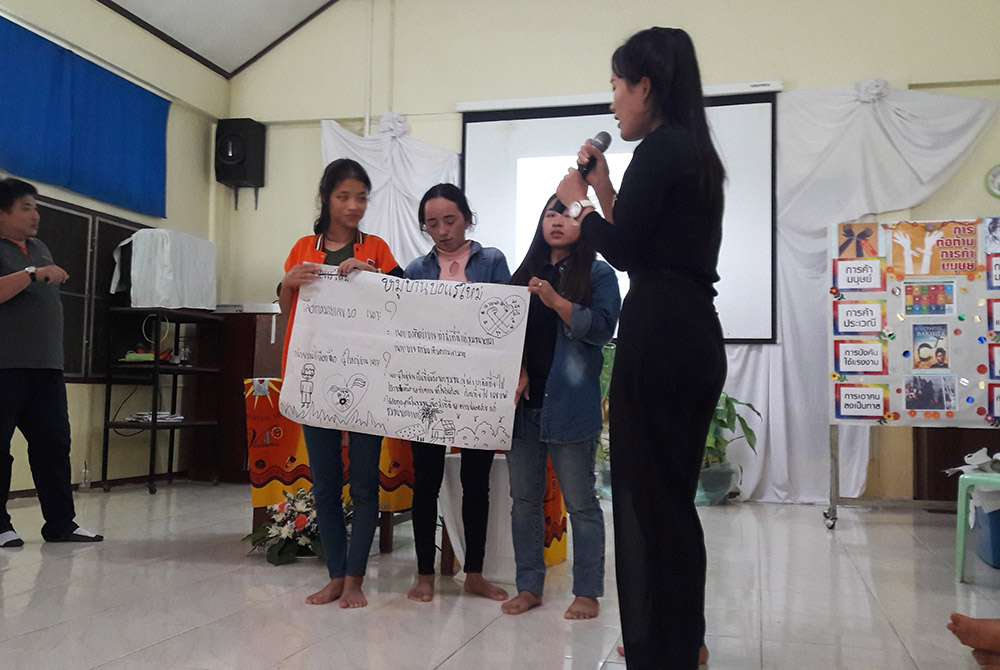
{"points": [[915, 323]]}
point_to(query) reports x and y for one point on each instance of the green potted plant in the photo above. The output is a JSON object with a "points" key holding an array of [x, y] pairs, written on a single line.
{"points": [[727, 426], [602, 467]]}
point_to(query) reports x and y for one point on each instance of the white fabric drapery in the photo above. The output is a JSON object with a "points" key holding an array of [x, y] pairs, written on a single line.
{"points": [[843, 153], [401, 168]]}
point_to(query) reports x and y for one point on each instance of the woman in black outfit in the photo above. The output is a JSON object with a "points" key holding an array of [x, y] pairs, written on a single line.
{"points": [[670, 363]]}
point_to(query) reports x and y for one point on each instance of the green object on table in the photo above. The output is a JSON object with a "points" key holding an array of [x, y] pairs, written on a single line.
{"points": [[132, 357], [609, 363]]}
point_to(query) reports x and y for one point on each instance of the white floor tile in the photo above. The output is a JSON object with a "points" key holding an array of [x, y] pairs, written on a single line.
{"points": [[174, 587]]}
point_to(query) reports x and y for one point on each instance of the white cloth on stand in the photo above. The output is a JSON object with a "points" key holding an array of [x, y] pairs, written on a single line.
{"points": [[169, 269]]}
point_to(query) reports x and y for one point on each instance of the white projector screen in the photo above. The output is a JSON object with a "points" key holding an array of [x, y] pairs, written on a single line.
{"points": [[514, 158]]}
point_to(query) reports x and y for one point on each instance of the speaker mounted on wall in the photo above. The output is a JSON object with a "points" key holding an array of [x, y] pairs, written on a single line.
{"points": [[239, 154]]}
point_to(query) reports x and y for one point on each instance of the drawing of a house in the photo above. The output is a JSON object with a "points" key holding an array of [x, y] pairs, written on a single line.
{"points": [[443, 431]]}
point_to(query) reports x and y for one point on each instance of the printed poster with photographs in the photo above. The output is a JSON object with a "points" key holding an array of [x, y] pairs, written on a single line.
{"points": [[915, 314]]}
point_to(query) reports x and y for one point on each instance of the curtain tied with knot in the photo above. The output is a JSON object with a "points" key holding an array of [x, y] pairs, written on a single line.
{"points": [[401, 168]]}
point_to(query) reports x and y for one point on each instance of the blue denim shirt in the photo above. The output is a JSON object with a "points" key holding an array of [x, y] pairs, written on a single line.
{"points": [[571, 411], [486, 264]]}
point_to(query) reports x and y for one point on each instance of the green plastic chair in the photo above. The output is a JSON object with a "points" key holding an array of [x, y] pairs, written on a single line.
{"points": [[965, 485]]}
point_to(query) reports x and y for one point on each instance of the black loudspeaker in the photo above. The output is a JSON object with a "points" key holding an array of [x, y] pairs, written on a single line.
{"points": [[239, 153]]}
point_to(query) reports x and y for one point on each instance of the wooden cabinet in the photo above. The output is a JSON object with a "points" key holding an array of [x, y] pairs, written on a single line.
{"points": [[252, 343]]}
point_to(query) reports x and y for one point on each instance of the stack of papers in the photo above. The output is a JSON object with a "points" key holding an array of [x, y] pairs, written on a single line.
{"points": [[160, 416]]}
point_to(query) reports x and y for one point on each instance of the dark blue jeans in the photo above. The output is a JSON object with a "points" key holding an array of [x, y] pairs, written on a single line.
{"points": [[327, 466]]}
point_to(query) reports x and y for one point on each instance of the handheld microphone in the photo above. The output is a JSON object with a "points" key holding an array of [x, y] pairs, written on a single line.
{"points": [[601, 141]]}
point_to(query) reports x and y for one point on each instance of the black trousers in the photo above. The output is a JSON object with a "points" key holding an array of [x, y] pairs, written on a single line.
{"points": [[428, 471], [670, 366], [34, 402]]}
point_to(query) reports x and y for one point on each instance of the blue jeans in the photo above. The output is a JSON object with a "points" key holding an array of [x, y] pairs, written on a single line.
{"points": [[574, 466], [327, 467]]}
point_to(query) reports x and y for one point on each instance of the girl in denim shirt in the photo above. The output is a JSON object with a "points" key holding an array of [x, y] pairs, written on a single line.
{"points": [[572, 314]]}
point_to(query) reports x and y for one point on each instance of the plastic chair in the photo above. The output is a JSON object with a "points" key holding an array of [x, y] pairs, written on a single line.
{"points": [[966, 483]]}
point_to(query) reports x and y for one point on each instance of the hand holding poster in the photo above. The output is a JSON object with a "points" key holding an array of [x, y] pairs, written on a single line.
{"points": [[428, 360]]}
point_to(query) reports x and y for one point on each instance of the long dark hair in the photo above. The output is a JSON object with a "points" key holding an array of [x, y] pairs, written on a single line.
{"points": [[666, 56], [574, 283], [448, 192], [336, 172]]}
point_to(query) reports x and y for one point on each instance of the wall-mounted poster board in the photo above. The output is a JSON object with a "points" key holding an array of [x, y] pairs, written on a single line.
{"points": [[915, 323]]}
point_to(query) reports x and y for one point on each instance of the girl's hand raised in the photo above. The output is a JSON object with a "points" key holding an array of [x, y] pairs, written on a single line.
{"points": [[551, 298], [544, 290]]}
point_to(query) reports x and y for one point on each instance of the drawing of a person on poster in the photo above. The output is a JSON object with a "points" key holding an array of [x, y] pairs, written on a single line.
{"points": [[930, 346]]}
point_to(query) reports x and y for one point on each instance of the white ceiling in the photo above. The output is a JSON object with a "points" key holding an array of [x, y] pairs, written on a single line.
{"points": [[223, 33]]}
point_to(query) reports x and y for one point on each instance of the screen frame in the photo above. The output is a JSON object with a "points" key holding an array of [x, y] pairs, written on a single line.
{"points": [[472, 114]]}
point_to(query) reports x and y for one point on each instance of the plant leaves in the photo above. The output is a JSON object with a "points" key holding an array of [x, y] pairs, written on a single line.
{"points": [[749, 434], [259, 536], [272, 552], [723, 429]]}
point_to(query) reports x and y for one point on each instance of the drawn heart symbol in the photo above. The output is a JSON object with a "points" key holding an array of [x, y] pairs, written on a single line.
{"points": [[500, 317], [344, 395]]}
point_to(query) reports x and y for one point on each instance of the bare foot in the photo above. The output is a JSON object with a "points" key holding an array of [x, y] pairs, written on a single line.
{"points": [[987, 659], [474, 583], [328, 593], [702, 654], [423, 590], [983, 634], [582, 607], [352, 596], [521, 603]]}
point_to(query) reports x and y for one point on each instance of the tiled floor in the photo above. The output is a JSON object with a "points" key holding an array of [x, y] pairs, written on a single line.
{"points": [[173, 587]]}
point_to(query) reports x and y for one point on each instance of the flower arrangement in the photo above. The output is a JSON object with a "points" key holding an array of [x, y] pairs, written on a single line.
{"points": [[292, 530]]}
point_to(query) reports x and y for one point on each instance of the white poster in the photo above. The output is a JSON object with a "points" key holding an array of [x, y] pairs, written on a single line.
{"points": [[427, 360]]}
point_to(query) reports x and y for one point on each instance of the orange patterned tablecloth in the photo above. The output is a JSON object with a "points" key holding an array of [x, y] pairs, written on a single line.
{"points": [[278, 461]]}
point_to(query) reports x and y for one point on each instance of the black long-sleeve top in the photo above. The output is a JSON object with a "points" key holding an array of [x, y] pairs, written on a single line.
{"points": [[663, 224]]}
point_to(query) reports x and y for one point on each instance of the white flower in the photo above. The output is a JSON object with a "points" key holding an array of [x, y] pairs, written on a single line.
{"points": [[301, 506], [273, 531], [304, 541], [287, 530]]}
